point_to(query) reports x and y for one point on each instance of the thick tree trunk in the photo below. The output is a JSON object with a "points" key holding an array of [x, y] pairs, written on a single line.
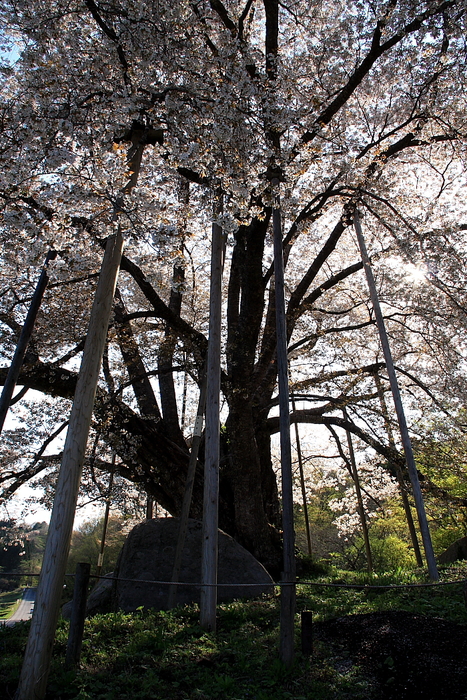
{"points": [[253, 497], [248, 499]]}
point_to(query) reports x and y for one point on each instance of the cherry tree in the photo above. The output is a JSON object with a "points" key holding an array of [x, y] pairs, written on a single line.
{"points": [[151, 109]]}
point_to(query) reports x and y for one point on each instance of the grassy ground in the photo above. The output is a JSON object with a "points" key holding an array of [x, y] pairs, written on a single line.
{"points": [[9, 602], [167, 655]]}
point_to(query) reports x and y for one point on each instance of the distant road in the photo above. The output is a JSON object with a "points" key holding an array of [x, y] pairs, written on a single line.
{"points": [[25, 608]]}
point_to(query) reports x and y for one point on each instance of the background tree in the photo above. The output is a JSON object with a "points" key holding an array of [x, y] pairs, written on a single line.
{"points": [[21, 550], [86, 541], [351, 102]]}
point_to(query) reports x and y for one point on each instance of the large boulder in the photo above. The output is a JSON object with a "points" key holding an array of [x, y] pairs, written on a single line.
{"points": [[457, 550], [99, 599], [147, 559]]}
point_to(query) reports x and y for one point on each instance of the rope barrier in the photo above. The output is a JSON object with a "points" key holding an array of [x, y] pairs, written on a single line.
{"points": [[388, 586], [275, 584], [190, 583]]}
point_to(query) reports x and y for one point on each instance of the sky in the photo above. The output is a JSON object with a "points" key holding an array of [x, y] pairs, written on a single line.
{"points": [[39, 514]]}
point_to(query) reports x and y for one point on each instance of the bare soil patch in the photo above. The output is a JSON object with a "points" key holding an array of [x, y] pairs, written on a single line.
{"points": [[404, 656]]}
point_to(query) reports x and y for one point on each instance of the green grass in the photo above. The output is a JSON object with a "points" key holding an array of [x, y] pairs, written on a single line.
{"points": [[440, 601], [9, 602], [167, 655]]}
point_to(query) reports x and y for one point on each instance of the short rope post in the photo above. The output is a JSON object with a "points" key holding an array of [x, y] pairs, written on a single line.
{"points": [[78, 614]]}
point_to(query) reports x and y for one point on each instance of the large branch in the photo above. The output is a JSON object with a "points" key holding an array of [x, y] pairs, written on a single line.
{"points": [[148, 455], [109, 31], [377, 49], [324, 377], [165, 363], [221, 11], [328, 284], [191, 336], [314, 416], [48, 379], [309, 213], [137, 373], [314, 337], [307, 279]]}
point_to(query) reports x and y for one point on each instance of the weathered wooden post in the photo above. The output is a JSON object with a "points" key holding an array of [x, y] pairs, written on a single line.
{"points": [[100, 558], [411, 466], [23, 342], [400, 476], [287, 614], [358, 491], [187, 496], [78, 615], [212, 432], [35, 670], [302, 483], [149, 508]]}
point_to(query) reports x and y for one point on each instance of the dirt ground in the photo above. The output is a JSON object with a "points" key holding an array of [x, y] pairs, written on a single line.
{"points": [[403, 656]]}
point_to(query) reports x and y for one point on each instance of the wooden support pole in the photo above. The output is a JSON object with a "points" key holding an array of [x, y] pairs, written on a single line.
{"points": [[35, 670], [186, 505], [400, 476], [100, 559], [78, 615], [149, 508], [358, 491], [23, 342], [412, 469], [288, 595], [302, 483], [208, 602], [184, 395]]}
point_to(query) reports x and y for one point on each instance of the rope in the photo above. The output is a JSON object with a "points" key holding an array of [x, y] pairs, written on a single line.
{"points": [[277, 584], [367, 587]]}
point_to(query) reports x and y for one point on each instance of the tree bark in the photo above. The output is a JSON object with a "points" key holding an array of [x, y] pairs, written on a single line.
{"points": [[165, 364]]}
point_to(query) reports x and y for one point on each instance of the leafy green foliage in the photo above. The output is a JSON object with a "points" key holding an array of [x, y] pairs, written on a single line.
{"points": [[389, 537], [441, 458], [86, 541], [21, 549], [389, 542], [324, 534], [9, 601]]}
